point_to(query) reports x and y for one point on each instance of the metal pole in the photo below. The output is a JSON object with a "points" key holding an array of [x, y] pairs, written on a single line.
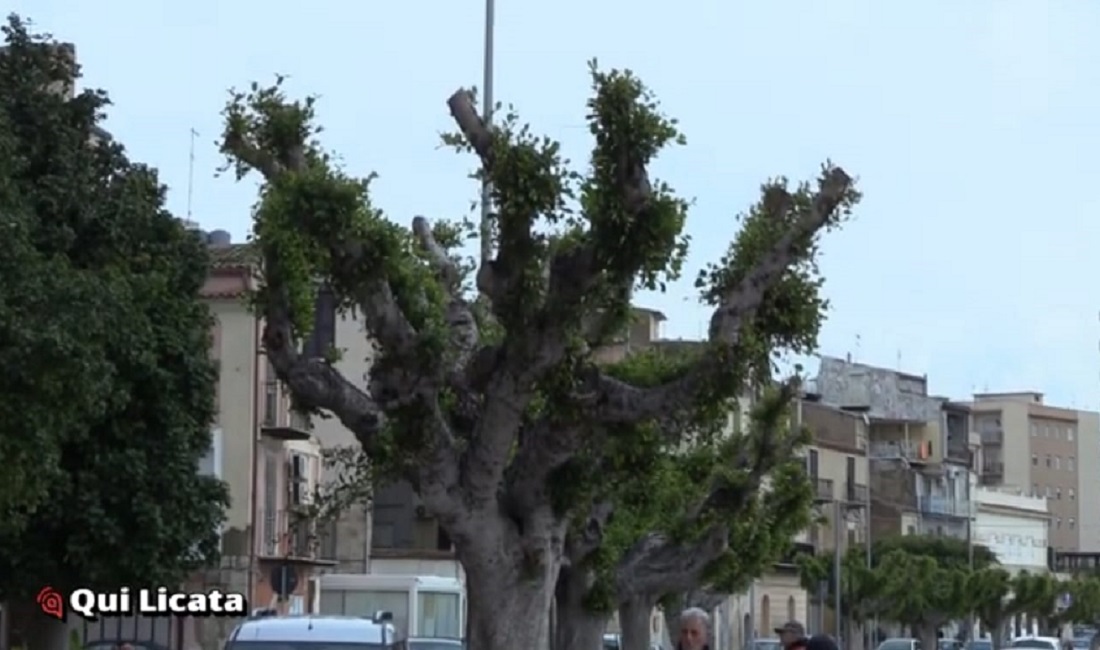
{"points": [[486, 229], [969, 551], [836, 568], [752, 613], [872, 624]]}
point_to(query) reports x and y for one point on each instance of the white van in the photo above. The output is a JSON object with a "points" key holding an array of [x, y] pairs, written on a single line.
{"points": [[317, 633]]}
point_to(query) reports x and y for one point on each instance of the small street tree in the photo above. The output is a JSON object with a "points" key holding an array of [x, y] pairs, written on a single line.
{"points": [[108, 385], [480, 414], [989, 592], [921, 593]]}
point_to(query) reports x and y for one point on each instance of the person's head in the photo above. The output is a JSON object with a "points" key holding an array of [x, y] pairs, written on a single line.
{"points": [[790, 632], [693, 629]]}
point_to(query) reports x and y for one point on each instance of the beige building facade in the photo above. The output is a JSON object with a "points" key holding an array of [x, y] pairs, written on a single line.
{"points": [[1088, 481], [1034, 446]]}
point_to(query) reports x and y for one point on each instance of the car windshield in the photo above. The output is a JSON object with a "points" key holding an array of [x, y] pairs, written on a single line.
{"points": [[301, 645], [434, 644], [1033, 643], [979, 645]]}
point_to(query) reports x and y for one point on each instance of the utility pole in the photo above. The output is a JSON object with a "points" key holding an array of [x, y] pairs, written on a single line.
{"points": [[485, 230], [841, 518]]}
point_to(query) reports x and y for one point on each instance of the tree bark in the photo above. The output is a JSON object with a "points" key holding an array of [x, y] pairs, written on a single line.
{"points": [[634, 617], [927, 635], [577, 627], [504, 613]]}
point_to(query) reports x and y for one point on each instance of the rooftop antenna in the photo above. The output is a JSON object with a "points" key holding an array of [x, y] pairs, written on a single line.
{"points": [[191, 173], [859, 340], [899, 359]]}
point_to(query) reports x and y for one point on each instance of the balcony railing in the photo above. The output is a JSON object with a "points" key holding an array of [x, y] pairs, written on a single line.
{"points": [[855, 493], [993, 468], [992, 436], [823, 489], [911, 450], [945, 507], [291, 534]]}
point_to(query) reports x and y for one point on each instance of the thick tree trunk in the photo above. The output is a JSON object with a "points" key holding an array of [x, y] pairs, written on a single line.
{"points": [[927, 635], [577, 628], [634, 617], [511, 572], [997, 632]]}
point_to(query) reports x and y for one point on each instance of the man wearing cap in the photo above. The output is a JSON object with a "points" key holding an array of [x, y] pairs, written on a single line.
{"points": [[792, 635]]}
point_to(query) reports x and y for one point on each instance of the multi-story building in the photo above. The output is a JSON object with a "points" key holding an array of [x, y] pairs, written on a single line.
{"points": [[1032, 445], [920, 447], [1088, 481], [1014, 525], [839, 469]]}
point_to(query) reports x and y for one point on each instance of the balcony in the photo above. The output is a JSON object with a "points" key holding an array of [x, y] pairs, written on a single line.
{"points": [[945, 507], [823, 490], [992, 437], [291, 535], [993, 468], [297, 426], [914, 451], [855, 493], [960, 454]]}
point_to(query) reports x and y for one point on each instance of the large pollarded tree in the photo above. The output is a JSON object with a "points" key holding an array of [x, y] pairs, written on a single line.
{"points": [[480, 411]]}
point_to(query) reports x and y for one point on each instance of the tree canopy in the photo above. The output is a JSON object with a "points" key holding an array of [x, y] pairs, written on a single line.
{"points": [[480, 410], [108, 384]]}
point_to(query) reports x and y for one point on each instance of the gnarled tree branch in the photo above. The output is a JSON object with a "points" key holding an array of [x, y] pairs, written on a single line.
{"points": [[619, 402]]}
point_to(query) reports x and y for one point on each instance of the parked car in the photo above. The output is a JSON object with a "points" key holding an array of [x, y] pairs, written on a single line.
{"points": [[425, 643], [900, 643], [950, 644], [1037, 643], [979, 644], [765, 644]]}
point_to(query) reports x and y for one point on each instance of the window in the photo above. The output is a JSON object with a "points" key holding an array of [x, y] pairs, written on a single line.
{"points": [[1057, 462], [1048, 460], [438, 614], [1072, 494], [1050, 492], [1034, 430], [1034, 460], [1071, 462], [1058, 522], [1058, 493], [1072, 523], [1070, 433], [1036, 491]]}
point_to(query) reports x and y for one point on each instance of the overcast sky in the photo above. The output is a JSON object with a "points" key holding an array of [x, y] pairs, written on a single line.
{"points": [[973, 127]]}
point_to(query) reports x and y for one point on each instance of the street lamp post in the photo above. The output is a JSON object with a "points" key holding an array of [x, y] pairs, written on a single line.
{"points": [[485, 230]]}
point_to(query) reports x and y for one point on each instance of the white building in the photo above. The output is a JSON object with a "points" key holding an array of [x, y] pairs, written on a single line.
{"points": [[1014, 526]]}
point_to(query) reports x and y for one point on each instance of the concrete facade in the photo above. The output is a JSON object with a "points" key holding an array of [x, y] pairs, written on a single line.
{"points": [[1031, 445], [920, 447], [1088, 481], [1014, 525]]}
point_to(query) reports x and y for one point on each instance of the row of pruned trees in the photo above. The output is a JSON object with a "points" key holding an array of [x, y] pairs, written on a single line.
{"points": [[923, 583]]}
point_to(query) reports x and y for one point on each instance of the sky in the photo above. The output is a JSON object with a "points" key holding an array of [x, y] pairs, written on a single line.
{"points": [[972, 127]]}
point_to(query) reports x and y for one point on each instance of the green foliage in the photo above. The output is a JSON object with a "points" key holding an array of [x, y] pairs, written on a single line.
{"points": [[863, 590], [109, 388], [919, 591], [791, 313]]}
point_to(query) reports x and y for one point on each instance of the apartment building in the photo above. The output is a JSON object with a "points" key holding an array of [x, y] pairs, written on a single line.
{"points": [[920, 447], [1088, 481], [1031, 445], [838, 465], [1014, 525]]}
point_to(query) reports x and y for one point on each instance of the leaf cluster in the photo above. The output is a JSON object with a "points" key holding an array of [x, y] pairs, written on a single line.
{"points": [[108, 382]]}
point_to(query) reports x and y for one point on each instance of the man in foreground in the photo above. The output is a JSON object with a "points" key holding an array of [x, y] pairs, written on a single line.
{"points": [[694, 624]]}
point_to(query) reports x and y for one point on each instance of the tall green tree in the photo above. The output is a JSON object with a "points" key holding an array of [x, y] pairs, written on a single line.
{"points": [[920, 593], [480, 414], [108, 384]]}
